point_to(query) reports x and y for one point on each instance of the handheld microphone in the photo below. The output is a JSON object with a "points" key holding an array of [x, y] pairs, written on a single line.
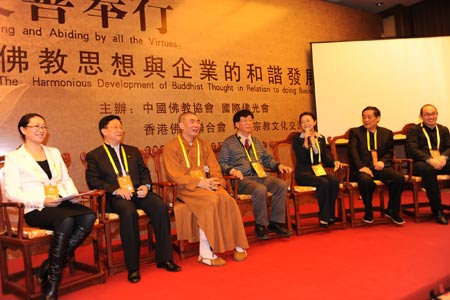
{"points": [[206, 169]]}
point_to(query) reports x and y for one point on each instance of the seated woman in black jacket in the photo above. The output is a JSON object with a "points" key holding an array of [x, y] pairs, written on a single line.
{"points": [[312, 155]]}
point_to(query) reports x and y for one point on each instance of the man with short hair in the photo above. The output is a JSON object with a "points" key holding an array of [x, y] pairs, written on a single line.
{"points": [[244, 156], [119, 169], [213, 217], [428, 144], [371, 149]]}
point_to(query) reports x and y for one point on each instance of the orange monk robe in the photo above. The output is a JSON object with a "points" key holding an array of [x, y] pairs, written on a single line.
{"points": [[216, 212]]}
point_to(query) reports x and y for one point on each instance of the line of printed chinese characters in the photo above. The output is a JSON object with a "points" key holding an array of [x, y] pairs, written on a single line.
{"points": [[104, 11], [210, 128], [175, 108], [226, 109], [52, 61]]}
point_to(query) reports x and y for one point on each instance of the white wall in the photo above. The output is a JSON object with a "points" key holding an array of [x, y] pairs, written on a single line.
{"points": [[397, 75]]}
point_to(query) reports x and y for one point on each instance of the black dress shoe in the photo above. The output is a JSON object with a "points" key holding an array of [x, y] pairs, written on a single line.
{"points": [[134, 276], [169, 266], [441, 219], [261, 232], [279, 229]]}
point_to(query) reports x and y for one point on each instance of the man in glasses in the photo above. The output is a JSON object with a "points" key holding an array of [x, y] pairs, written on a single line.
{"points": [[428, 144], [244, 156]]}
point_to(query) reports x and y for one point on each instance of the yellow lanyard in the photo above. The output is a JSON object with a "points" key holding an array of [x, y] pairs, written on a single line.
{"points": [[124, 158], [254, 151], [374, 140], [311, 152], [185, 154], [438, 137]]}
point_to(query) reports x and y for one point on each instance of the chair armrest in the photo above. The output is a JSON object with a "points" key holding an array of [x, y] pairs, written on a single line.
{"points": [[343, 174], [276, 173], [400, 164], [167, 190], [20, 207], [232, 185], [97, 202]]}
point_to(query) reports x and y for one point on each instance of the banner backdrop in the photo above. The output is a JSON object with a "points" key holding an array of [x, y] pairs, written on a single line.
{"points": [[74, 61]]}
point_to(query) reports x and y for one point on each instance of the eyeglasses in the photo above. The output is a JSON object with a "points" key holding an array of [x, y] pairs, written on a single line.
{"points": [[114, 127], [37, 127], [432, 114]]}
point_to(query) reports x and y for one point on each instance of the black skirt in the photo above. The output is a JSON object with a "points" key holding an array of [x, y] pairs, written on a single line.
{"points": [[50, 217]]}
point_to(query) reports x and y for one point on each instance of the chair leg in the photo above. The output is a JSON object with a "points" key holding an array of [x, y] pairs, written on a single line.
{"points": [[416, 203], [341, 208], [182, 249], [109, 252], [297, 215], [288, 215], [151, 242], [351, 198], [4, 268], [382, 203], [28, 270]]}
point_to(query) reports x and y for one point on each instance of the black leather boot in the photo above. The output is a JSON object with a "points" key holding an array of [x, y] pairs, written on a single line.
{"points": [[77, 238], [42, 272], [56, 260]]}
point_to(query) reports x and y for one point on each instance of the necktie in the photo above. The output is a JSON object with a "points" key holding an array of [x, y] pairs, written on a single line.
{"points": [[247, 144]]}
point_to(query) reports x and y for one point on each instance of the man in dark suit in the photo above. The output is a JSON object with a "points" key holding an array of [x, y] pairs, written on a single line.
{"points": [[120, 170], [371, 149], [428, 144]]}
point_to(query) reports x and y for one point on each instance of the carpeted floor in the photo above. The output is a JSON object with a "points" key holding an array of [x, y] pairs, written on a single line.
{"points": [[370, 262]]}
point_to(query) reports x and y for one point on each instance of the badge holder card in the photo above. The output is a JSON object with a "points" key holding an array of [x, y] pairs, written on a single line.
{"points": [[374, 157], [125, 183], [259, 169], [435, 153], [318, 170], [51, 191]]}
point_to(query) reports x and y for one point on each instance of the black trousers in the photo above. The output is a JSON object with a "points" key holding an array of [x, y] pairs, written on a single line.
{"points": [[155, 208], [391, 178], [430, 182], [327, 189]]}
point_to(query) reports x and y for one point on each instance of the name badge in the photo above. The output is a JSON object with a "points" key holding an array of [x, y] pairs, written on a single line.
{"points": [[259, 169], [318, 170], [197, 174], [374, 156], [435, 153], [51, 191], [125, 183]]}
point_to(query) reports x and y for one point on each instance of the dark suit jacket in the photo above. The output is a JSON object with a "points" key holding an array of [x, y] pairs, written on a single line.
{"points": [[303, 156], [361, 157], [417, 144], [100, 172]]}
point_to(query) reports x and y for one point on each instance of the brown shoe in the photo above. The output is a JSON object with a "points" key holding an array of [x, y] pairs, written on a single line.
{"points": [[216, 262], [240, 256]]}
